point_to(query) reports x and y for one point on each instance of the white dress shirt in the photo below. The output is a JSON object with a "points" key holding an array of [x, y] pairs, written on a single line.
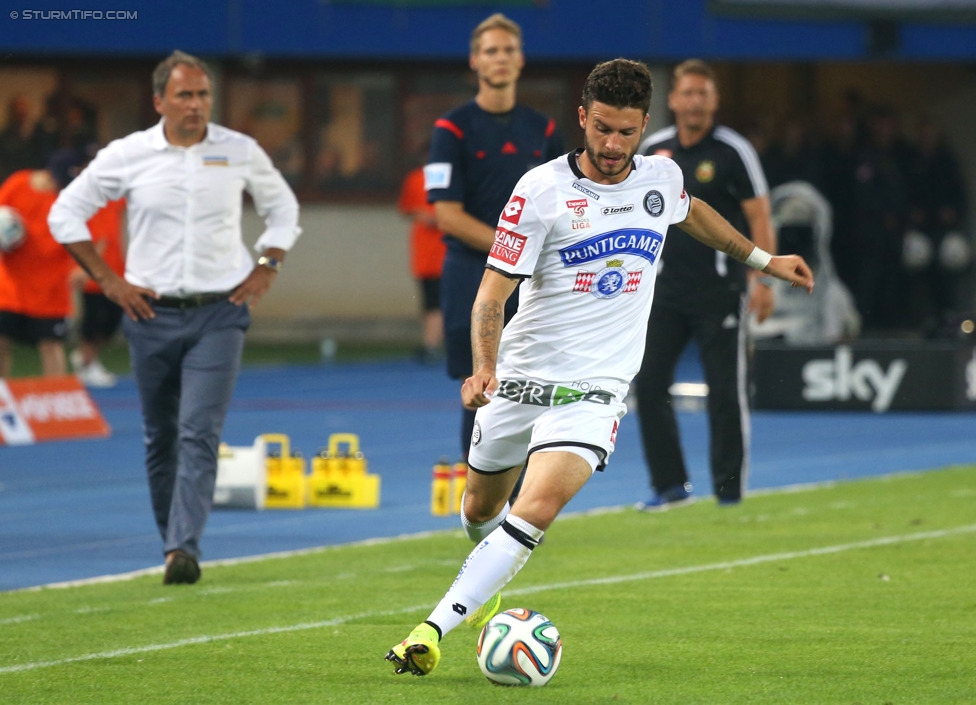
{"points": [[183, 207]]}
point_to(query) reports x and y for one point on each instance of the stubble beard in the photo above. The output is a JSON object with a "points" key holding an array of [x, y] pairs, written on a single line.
{"points": [[593, 156]]}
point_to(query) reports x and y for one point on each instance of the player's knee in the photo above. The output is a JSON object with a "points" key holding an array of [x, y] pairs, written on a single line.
{"points": [[540, 512], [479, 508]]}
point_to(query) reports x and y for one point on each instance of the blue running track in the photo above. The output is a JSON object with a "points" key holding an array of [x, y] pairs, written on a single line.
{"points": [[76, 510]]}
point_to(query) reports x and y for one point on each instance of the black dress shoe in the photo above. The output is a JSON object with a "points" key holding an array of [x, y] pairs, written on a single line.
{"points": [[181, 568]]}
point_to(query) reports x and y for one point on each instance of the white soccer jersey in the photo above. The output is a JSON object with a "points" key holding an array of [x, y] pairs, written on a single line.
{"points": [[589, 252]]}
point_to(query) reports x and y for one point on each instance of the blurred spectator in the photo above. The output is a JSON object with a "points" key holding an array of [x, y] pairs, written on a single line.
{"points": [[15, 144], [427, 250], [35, 298], [80, 123], [758, 134], [845, 138], [67, 122], [794, 157], [936, 252], [878, 216], [101, 317]]}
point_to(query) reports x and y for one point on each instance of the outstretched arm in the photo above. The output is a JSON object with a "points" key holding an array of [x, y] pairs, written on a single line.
{"points": [[487, 320], [705, 225], [763, 235]]}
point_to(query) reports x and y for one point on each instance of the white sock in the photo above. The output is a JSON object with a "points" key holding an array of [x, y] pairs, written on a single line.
{"points": [[488, 568], [477, 532]]}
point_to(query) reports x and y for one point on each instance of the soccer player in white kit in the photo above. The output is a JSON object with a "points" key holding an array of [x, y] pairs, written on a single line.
{"points": [[585, 232]]}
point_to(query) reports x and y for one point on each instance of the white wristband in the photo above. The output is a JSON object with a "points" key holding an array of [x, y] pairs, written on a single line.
{"points": [[758, 259]]}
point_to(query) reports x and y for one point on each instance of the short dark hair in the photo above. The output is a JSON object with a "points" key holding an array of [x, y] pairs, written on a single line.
{"points": [[161, 74], [620, 83]]}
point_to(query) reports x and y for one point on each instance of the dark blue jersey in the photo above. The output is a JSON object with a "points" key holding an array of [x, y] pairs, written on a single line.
{"points": [[477, 157]]}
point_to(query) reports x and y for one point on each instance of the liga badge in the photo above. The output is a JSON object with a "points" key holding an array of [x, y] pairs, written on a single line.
{"points": [[609, 283]]}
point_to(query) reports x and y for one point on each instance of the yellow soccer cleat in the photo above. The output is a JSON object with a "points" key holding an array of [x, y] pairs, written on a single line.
{"points": [[479, 618], [418, 654]]}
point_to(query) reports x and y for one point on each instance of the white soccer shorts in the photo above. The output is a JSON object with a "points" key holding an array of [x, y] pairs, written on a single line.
{"points": [[506, 432]]}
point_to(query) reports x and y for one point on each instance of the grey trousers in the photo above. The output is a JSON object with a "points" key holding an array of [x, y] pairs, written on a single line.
{"points": [[186, 363]]}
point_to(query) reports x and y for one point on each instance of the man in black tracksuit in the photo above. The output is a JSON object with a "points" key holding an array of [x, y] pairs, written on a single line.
{"points": [[703, 295]]}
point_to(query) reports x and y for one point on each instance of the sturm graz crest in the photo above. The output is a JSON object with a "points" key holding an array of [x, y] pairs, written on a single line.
{"points": [[654, 203], [609, 283]]}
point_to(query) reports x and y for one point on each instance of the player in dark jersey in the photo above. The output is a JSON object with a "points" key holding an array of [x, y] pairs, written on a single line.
{"points": [[703, 295], [478, 153]]}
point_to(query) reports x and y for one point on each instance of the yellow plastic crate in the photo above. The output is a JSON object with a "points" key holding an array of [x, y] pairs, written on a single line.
{"points": [[339, 477], [286, 474]]}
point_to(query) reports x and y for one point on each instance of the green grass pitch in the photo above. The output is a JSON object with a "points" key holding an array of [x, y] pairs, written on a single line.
{"points": [[853, 593]]}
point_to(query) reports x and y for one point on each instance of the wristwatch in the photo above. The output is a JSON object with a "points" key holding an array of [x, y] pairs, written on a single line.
{"points": [[270, 263]]}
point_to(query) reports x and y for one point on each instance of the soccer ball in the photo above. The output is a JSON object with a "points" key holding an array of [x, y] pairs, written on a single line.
{"points": [[519, 647], [11, 229]]}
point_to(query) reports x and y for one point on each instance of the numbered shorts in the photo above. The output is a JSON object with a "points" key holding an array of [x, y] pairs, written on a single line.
{"points": [[507, 432]]}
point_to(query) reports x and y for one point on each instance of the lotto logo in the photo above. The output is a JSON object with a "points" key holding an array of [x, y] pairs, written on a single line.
{"points": [[513, 210], [508, 246]]}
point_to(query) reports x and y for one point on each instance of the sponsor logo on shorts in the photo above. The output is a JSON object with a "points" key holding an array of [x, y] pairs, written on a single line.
{"points": [[476, 433], [523, 391]]}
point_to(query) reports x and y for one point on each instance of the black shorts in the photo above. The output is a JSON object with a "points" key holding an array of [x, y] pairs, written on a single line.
{"points": [[430, 291], [101, 317], [29, 330]]}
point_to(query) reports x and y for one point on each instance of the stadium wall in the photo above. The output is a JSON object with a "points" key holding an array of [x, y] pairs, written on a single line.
{"points": [[425, 29]]}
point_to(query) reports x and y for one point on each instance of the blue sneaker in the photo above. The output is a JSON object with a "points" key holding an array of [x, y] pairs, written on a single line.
{"points": [[674, 497]]}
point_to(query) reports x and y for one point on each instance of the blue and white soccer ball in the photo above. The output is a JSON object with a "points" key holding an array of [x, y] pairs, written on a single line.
{"points": [[519, 647], [11, 229]]}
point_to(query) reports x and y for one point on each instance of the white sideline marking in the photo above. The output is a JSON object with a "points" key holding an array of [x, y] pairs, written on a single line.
{"points": [[649, 575], [132, 575], [18, 620], [743, 562], [158, 570]]}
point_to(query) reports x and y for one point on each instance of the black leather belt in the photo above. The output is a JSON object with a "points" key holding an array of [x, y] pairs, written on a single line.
{"points": [[193, 300]]}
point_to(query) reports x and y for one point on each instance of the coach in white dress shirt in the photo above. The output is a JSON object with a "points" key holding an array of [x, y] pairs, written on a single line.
{"points": [[189, 282]]}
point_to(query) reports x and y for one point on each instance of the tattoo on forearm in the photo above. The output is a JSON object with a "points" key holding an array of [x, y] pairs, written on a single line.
{"points": [[736, 251], [487, 319]]}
